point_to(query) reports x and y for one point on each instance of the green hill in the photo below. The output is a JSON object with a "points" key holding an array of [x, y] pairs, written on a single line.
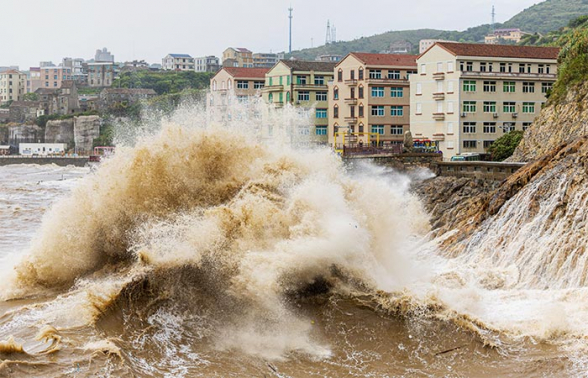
{"points": [[543, 17]]}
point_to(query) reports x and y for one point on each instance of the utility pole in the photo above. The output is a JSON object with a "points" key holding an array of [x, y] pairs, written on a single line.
{"points": [[290, 17]]}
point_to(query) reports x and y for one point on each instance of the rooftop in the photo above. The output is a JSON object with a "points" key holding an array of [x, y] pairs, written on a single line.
{"points": [[386, 59], [249, 73], [499, 51]]}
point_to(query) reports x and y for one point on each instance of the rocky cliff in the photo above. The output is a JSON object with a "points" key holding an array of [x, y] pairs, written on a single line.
{"points": [[559, 123], [86, 129], [60, 131]]}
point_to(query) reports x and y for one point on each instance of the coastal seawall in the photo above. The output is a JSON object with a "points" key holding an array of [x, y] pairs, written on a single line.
{"points": [[61, 161]]}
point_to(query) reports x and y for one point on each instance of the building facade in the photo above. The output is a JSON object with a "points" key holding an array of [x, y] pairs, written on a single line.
{"points": [[12, 85], [504, 35], [207, 64], [370, 99], [237, 57], [303, 84], [234, 84], [178, 62], [465, 96], [60, 101], [103, 56], [49, 77], [266, 60], [100, 74], [425, 44]]}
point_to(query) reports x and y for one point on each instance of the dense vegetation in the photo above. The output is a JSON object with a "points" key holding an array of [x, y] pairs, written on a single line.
{"points": [[541, 18], [504, 147], [164, 82]]}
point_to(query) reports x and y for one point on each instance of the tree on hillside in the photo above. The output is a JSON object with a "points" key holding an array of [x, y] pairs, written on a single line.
{"points": [[504, 147]]}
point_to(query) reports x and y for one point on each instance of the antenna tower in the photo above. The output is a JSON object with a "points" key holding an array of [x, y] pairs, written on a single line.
{"points": [[290, 17], [493, 19], [328, 37]]}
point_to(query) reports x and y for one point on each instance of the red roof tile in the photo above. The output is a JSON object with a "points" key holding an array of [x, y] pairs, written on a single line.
{"points": [[499, 51], [247, 73], [386, 59]]}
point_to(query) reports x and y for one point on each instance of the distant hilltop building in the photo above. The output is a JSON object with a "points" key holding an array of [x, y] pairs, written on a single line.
{"points": [[237, 57], [266, 60], [178, 62], [400, 47], [424, 44], [333, 58], [208, 64], [103, 56], [510, 35]]}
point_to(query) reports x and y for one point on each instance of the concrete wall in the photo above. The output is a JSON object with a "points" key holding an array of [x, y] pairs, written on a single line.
{"points": [[400, 161], [485, 170], [61, 161]]}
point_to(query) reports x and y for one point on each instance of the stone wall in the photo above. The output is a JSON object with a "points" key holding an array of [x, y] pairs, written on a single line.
{"points": [[485, 170], [405, 161], [61, 161]]}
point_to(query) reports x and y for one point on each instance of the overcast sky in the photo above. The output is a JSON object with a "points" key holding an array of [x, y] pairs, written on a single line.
{"points": [[42, 30]]}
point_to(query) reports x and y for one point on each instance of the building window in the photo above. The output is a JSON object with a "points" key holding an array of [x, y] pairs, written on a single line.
{"points": [[469, 127], [522, 68], [423, 69], [469, 106], [378, 111], [483, 67], [304, 96], [528, 87], [469, 66], [507, 127], [449, 66], [321, 96], [360, 92], [489, 86], [335, 93], [258, 85], [509, 87], [340, 75], [321, 113], [375, 74], [319, 80], [469, 144], [360, 110], [242, 84], [419, 88], [396, 111], [526, 125], [509, 107], [488, 143], [396, 92], [270, 98], [469, 86], [360, 73], [320, 130], [378, 129], [419, 108], [489, 127], [335, 111], [377, 91], [352, 75], [352, 111], [394, 75], [541, 69], [489, 107], [396, 130], [546, 87], [352, 93], [528, 107]]}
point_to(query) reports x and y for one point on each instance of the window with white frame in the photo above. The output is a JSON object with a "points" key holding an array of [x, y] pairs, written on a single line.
{"points": [[396, 111], [396, 92], [528, 107], [320, 130], [321, 96], [509, 86], [489, 107], [258, 85], [378, 111], [378, 129], [375, 74], [304, 96], [509, 107], [241, 84], [469, 86], [419, 88], [396, 130], [394, 75], [489, 127], [469, 106], [321, 113], [528, 87], [470, 144], [319, 80], [450, 67], [489, 86], [469, 127], [507, 127], [423, 69], [449, 127], [419, 108], [377, 91], [450, 107]]}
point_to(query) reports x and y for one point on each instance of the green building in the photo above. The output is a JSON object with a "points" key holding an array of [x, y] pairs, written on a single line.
{"points": [[302, 84]]}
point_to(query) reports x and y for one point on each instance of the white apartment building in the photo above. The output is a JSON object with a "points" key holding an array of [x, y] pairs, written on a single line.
{"points": [[178, 62], [12, 85], [465, 96]]}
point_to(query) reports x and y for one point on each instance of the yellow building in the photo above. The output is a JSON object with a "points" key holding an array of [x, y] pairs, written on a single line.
{"points": [[465, 96], [370, 99], [302, 84], [238, 57], [510, 35], [12, 85]]}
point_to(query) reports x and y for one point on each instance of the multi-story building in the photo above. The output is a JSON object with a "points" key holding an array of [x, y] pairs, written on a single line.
{"points": [[237, 57], [49, 77], [504, 35], [400, 47], [370, 99], [76, 65], [103, 56], [267, 60], [61, 101], [329, 58], [304, 85], [465, 96], [12, 85], [178, 62], [234, 83], [425, 44], [207, 64], [100, 74]]}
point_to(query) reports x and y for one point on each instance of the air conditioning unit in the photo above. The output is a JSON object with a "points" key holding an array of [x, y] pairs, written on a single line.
{"points": [[464, 114], [495, 115], [515, 115]]}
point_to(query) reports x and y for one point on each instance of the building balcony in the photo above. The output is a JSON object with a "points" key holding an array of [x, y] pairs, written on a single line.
{"points": [[439, 116], [439, 136], [273, 88], [507, 75], [278, 104], [439, 96], [351, 120], [387, 81], [351, 101], [439, 76], [310, 87], [351, 82]]}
